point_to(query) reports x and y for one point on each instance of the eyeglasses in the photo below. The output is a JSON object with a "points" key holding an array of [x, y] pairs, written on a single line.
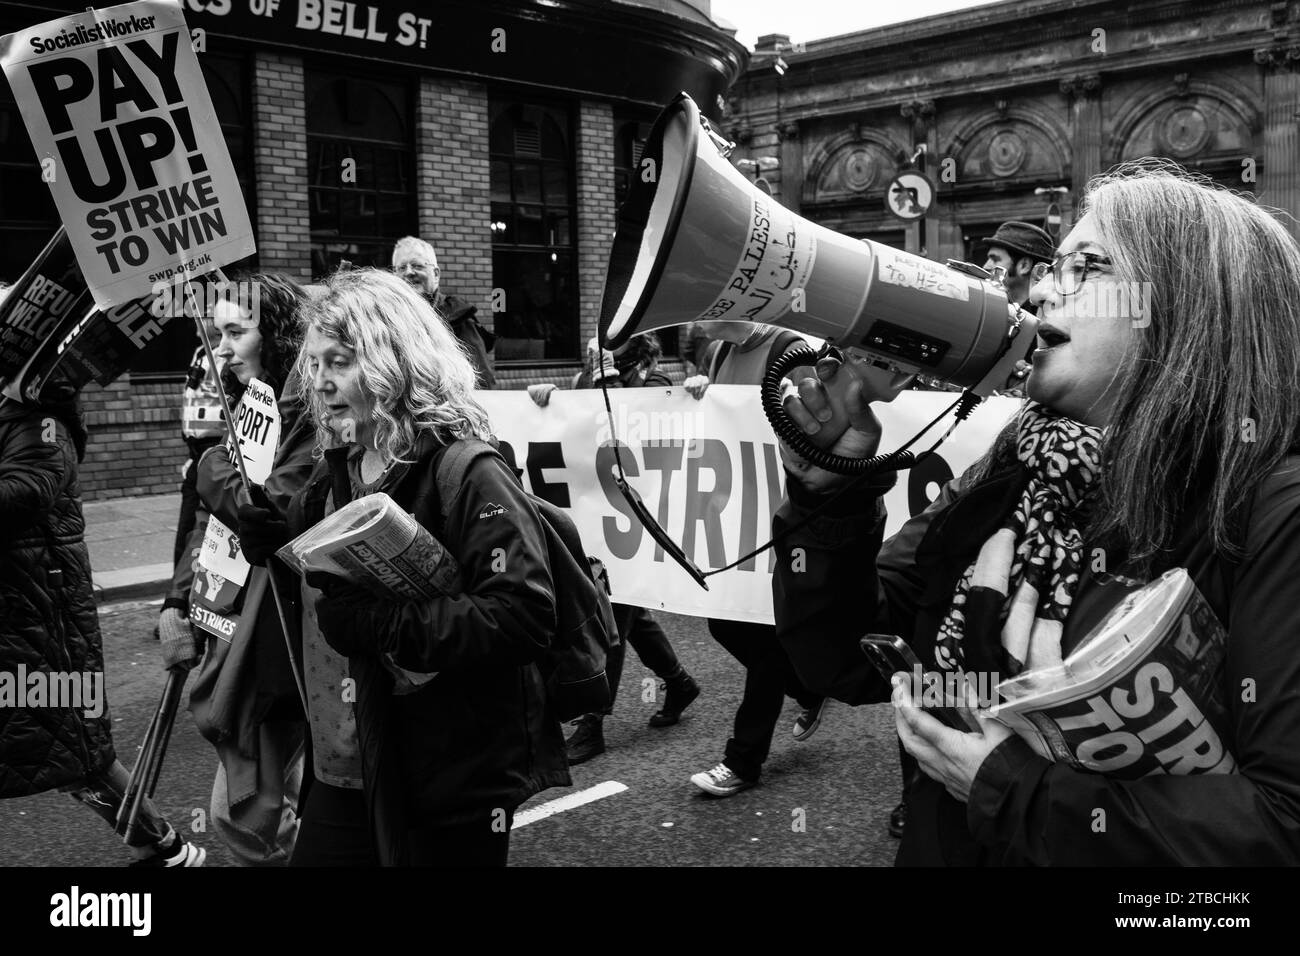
{"points": [[1068, 271]]}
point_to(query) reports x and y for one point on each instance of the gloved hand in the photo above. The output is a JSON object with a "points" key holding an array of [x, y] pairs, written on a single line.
{"points": [[343, 613], [180, 649], [262, 530]]}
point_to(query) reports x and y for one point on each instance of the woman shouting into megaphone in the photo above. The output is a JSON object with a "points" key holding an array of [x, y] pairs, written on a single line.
{"points": [[1159, 433]]}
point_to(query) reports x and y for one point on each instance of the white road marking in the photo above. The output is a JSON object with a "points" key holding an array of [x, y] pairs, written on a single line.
{"points": [[540, 812]]}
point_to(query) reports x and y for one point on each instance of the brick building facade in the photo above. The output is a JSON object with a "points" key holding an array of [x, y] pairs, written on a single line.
{"points": [[502, 154]]}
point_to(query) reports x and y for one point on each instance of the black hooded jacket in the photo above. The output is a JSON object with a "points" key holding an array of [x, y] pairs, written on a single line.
{"points": [[462, 317], [481, 735]]}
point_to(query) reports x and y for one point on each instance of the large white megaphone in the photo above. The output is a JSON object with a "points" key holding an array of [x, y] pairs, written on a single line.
{"points": [[697, 241]]}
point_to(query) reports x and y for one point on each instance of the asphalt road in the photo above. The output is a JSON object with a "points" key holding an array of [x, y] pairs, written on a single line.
{"points": [[823, 802]]}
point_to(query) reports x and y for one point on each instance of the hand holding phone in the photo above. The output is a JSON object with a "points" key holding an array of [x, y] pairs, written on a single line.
{"points": [[891, 655]]}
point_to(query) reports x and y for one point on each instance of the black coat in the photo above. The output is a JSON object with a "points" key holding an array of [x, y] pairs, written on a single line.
{"points": [[1024, 809], [481, 735], [48, 620], [462, 317]]}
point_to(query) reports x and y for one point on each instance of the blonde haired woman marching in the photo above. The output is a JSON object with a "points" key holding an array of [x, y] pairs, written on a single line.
{"points": [[445, 764]]}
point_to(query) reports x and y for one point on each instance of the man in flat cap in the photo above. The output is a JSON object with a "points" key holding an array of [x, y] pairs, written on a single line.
{"points": [[1017, 247]]}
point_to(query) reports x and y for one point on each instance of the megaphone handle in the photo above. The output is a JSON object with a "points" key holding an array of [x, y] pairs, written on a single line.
{"points": [[903, 458], [1001, 371], [794, 437]]}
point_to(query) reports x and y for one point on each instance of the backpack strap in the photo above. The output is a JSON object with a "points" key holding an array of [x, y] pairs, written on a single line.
{"points": [[453, 467]]}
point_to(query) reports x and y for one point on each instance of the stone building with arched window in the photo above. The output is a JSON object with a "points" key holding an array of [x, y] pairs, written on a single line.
{"points": [[500, 130], [1017, 105]]}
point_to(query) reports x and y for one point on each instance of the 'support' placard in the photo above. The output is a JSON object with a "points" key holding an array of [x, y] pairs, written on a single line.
{"points": [[119, 113], [710, 473]]}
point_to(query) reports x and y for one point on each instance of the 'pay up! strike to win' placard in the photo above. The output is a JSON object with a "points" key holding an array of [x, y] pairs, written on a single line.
{"points": [[120, 115]]}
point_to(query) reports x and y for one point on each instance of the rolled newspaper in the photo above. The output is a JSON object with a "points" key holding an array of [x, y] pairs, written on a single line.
{"points": [[1143, 692], [373, 543]]}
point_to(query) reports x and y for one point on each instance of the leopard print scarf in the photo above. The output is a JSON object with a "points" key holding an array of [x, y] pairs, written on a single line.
{"points": [[1024, 579]]}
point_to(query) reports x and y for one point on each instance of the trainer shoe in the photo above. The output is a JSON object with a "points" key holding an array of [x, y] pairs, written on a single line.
{"points": [[682, 692], [806, 724], [721, 781], [898, 820], [180, 854], [587, 739]]}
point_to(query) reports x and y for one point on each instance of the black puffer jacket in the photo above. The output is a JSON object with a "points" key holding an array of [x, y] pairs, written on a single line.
{"points": [[48, 621]]}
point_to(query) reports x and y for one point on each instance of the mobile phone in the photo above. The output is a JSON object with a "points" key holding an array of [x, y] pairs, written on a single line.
{"points": [[891, 655]]}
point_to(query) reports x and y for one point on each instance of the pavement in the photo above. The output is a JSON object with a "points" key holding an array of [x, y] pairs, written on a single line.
{"points": [[131, 542]]}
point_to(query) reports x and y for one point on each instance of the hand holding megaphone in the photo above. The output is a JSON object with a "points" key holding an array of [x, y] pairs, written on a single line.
{"points": [[834, 411]]}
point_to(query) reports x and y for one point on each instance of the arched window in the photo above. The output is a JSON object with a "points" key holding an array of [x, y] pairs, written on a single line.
{"points": [[533, 233], [360, 169]]}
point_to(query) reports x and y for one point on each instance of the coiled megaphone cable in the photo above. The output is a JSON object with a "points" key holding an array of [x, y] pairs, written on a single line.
{"points": [[789, 431], [794, 437]]}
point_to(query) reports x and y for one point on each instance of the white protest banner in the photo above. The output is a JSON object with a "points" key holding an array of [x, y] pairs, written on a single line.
{"points": [[257, 428], [119, 113], [709, 472]]}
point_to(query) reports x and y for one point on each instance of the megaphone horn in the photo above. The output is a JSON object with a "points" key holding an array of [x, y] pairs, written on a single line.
{"points": [[698, 242]]}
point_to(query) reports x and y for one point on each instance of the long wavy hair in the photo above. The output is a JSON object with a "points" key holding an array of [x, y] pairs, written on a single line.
{"points": [[416, 374], [1208, 398], [279, 320]]}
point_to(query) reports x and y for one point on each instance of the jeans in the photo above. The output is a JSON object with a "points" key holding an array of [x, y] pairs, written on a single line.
{"points": [[103, 793], [637, 626], [769, 678]]}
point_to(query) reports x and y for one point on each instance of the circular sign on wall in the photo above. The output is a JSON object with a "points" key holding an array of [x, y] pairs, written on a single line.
{"points": [[909, 195]]}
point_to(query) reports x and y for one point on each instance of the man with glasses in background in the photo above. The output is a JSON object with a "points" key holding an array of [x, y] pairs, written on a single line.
{"points": [[415, 261]]}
